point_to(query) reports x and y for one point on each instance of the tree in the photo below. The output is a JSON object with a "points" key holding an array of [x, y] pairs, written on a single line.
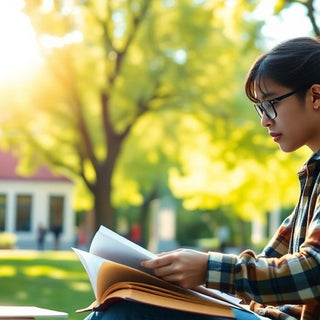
{"points": [[226, 175], [109, 64]]}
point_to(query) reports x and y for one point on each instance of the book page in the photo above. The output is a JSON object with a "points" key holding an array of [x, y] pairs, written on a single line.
{"points": [[131, 293], [218, 294], [111, 273], [92, 264], [111, 246], [123, 274]]}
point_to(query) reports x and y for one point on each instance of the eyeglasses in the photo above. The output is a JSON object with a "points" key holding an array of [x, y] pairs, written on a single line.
{"points": [[267, 106]]}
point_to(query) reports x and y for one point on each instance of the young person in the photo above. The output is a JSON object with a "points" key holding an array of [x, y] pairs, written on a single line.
{"points": [[283, 282]]}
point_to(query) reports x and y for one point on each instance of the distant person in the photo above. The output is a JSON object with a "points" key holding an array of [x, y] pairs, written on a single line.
{"points": [[56, 230], [41, 235], [82, 241], [283, 282], [223, 236], [136, 234]]}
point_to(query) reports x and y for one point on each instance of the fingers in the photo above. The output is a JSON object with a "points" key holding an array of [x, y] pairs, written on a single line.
{"points": [[162, 261], [166, 266], [165, 253], [184, 267]]}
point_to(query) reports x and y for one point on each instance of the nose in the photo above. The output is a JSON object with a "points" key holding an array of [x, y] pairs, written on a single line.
{"points": [[266, 121]]}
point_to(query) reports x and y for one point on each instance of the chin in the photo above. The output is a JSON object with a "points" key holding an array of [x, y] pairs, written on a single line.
{"points": [[287, 149]]}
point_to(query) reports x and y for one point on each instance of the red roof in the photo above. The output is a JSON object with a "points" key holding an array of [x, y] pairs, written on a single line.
{"points": [[8, 164]]}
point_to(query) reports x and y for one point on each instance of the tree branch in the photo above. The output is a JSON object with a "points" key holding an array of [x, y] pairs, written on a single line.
{"points": [[309, 4], [121, 53], [311, 15], [88, 148]]}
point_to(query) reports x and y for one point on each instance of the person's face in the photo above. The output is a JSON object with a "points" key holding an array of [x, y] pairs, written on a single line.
{"points": [[297, 122]]}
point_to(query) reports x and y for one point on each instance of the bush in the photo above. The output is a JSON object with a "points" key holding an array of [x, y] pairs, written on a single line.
{"points": [[7, 240]]}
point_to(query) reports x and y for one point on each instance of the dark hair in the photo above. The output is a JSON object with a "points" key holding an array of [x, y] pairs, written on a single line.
{"points": [[294, 63]]}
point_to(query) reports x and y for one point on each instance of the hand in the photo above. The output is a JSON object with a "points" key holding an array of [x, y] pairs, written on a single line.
{"points": [[185, 267]]}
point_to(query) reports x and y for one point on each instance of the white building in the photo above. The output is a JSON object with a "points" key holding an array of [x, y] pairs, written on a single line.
{"points": [[28, 202]]}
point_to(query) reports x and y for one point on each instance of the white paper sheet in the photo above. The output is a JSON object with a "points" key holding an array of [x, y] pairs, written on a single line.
{"points": [[111, 246]]}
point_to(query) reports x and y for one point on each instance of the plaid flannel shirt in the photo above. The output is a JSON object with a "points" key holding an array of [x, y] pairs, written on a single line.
{"points": [[283, 282]]}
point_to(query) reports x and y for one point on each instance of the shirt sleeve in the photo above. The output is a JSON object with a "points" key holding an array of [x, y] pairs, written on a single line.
{"points": [[274, 277], [279, 243]]}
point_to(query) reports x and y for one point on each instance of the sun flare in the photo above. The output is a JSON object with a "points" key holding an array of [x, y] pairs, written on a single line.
{"points": [[19, 52]]}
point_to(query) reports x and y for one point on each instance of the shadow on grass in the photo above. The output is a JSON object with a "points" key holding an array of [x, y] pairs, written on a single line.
{"points": [[51, 279]]}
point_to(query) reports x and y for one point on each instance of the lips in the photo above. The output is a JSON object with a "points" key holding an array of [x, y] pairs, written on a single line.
{"points": [[276, 136]]}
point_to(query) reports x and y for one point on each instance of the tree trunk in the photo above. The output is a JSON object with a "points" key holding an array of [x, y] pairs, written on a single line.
{"points": [[144, 216], [104, 212]]}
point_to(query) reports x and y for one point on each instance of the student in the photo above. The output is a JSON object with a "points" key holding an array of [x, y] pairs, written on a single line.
{"points": [[284, 85]]}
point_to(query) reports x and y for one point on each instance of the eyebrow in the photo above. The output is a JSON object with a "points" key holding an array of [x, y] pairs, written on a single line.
{"points": [[264, 94], [267, 95]]}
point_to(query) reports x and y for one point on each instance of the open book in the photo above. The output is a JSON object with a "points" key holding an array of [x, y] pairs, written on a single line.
{"points": [[113, 268]]}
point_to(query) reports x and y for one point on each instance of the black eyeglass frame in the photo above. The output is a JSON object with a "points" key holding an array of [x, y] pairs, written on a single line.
{"points": [[261, 109]]}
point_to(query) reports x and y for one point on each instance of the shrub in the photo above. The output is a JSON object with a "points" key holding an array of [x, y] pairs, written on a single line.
{"points": [[7, 240]]}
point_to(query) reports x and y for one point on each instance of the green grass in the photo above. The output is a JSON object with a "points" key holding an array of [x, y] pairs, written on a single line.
{"points": [[50, 279]]}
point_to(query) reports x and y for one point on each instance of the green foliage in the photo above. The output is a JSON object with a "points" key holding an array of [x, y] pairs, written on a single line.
{"points": [[279, 6], [192, 227], [222, 174], [200, 228], [149, 102]]}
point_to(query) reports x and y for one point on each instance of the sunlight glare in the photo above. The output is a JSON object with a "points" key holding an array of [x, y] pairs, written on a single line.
{"points": [[7, 271], [49, 41], [19, 53]]}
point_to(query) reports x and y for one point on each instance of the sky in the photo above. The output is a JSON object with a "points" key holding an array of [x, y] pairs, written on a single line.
{"points": [[292, 22]]}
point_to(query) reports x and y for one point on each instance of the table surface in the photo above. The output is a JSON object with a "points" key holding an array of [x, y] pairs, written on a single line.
{"points": [[29, 312]]}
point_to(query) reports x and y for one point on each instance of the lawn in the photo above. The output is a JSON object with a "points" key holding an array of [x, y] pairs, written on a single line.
{"points": [[50, 279]]}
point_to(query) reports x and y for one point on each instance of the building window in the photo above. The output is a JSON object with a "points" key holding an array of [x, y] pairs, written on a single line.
{"points": [[23, 213], [3, 205], [56, 210]]}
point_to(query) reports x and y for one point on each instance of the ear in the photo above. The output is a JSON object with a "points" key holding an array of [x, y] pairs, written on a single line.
{"points": [[315, 95]]}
